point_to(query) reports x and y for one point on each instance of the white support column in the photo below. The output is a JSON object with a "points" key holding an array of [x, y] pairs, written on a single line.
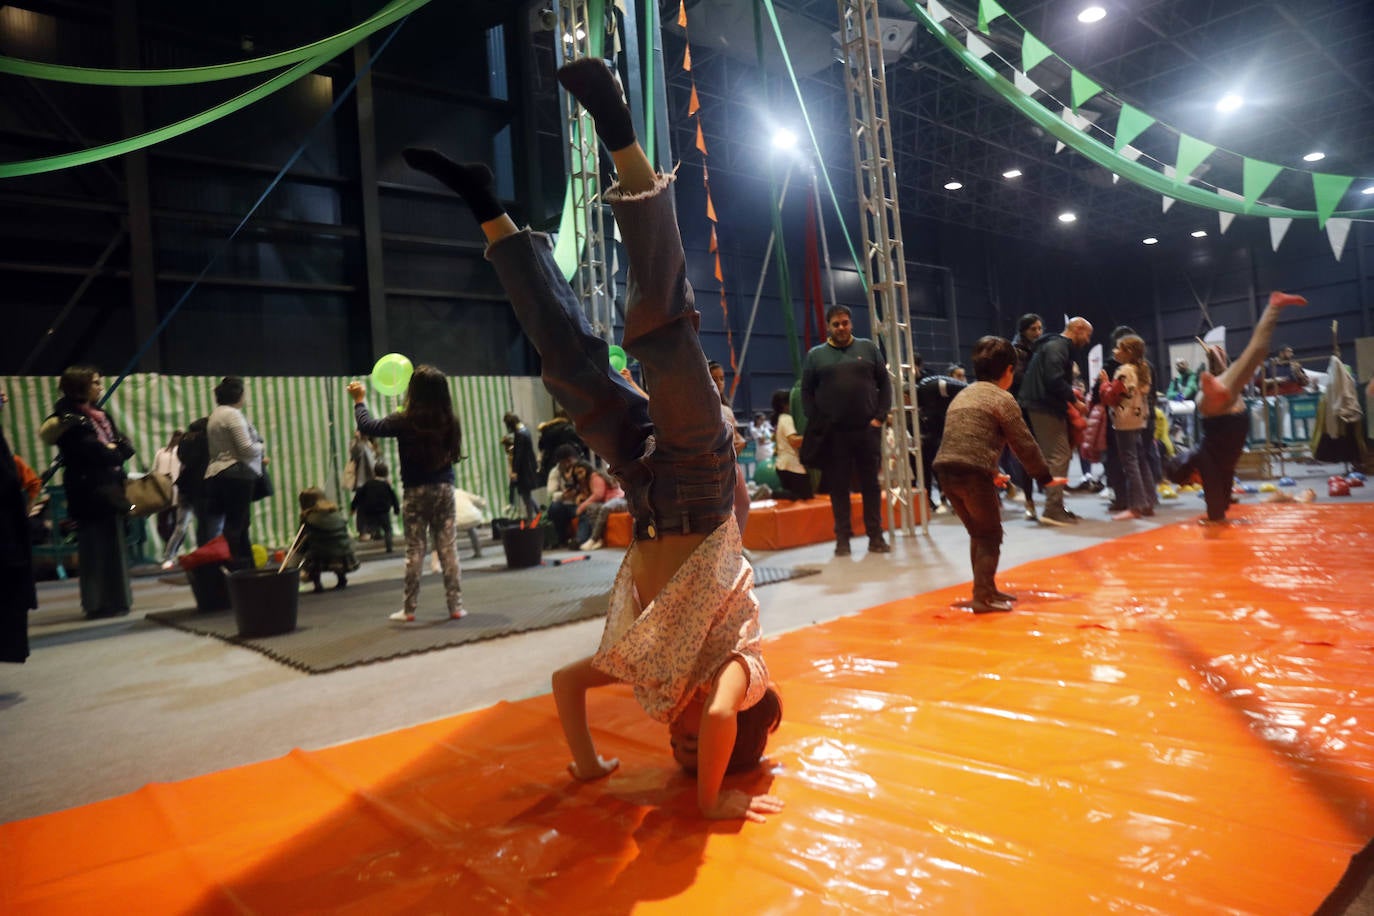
{"points": [[885, 262]]}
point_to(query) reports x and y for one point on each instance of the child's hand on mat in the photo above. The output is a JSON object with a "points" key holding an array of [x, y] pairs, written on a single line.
{"points": [[602, 768], [732, 805], [1058, 482]]}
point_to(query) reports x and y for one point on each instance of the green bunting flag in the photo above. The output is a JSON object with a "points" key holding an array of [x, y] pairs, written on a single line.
{"points": [[1129, 125], [1191, 152], [1082, 89], [1258, 176], [1033, 51], [1329, 189], [988, 10]]}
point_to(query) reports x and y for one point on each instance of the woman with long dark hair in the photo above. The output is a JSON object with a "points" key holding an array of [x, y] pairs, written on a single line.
{"points": [[93, 453], [430, 441]]}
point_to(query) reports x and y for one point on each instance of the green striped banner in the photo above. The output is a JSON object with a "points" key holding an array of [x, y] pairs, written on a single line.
{"points": [[306, 421]]}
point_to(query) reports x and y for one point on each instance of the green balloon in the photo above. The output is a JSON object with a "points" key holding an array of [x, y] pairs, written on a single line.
{"points": [[765, 473], [618, 359], [392, 374]]}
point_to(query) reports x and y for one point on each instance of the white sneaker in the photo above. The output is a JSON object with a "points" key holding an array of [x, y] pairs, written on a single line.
{"points": [[591, 544], [402, 617]]}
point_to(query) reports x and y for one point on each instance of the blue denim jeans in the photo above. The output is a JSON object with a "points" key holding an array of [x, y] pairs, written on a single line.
{"points": [[673, 455]]}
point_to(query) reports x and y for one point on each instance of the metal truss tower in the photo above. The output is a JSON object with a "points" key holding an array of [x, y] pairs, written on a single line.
{"points": [[591, 281], [884, 260]]}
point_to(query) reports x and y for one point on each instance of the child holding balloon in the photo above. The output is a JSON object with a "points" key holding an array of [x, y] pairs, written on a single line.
{"points": [[430, 441], [682, 626]]}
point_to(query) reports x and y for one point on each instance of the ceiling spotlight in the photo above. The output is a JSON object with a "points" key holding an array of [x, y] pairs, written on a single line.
{"points": [[953, 185], [1314, 156], [1150, 241], [1067, 217], [1199, 233], [1229, 102], [784, 139], [1092, 14], [1012, 173], [1368, 190]]}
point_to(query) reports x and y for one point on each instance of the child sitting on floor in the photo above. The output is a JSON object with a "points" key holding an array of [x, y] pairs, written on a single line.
{"points": [[325, 544]]}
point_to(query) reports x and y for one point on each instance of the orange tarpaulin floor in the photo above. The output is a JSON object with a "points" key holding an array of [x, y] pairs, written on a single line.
{"points": [[1173, 722]]}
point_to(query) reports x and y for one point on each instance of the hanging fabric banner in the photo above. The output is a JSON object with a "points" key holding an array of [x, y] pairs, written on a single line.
{"points": [[988, 10], [1329, 189], [1033, 51], [1278, 228], [1191, 152], [1257, 177], [1337, 230], [1131, 123], [1081, 89]]}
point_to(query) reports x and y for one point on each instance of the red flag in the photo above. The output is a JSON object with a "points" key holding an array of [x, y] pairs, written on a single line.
{"points": [[814, 298]]}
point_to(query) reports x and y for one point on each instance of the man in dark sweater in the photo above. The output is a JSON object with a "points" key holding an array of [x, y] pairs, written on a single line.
{"points": [[1047, 395], [846, 395]]}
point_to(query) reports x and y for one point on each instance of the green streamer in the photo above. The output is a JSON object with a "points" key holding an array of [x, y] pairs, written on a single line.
{"points": [[825, 174], [784, 272], [327, 48], [1131, 123], [143, 141], [988, 11], [1258, 176], [1033, 50], [649, 29], [1329, 189], [1191, 152], [1081, 89], [1105, 156]]}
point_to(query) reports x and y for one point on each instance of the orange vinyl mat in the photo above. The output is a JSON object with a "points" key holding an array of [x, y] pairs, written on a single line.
{"points": [[1177, 721]]}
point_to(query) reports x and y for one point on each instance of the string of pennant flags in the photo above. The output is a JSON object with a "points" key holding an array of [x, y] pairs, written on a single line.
{"points": [[694, 111], [1173, 182]]}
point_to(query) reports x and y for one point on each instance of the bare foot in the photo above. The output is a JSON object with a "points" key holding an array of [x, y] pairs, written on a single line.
{"points": [[1279, 299]]}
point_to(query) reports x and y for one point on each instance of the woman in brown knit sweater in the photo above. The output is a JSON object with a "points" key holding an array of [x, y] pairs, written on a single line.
{"points": [[982, 419]]}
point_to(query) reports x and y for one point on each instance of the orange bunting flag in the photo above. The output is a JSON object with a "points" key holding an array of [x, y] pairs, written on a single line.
{"points": [[729, 341], [687, 57], [719, 276], [694, 103], [713, 241], [682, 13], [710, 208], [701, 139]]}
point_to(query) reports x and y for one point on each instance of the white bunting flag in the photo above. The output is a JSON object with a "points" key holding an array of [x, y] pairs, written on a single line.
{"points": [[937, 11], [1224, 216], [1024, 83], [1278, 228], [977, 46], [1336, 232], [1168, 202], [1130, 152]]}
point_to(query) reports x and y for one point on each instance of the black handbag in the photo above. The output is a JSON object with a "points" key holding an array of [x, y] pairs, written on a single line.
{"points": [[262, 486]]}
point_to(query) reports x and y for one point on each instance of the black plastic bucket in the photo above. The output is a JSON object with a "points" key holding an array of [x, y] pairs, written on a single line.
{"points": [[210, 587], [524, 546], [264, 601]]}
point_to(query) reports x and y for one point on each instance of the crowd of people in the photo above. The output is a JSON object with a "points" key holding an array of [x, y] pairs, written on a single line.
{"points": [[682, 626]]}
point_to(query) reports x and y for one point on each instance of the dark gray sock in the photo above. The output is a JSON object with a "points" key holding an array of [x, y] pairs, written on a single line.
{"points": [[593, 83], [471, 181]]}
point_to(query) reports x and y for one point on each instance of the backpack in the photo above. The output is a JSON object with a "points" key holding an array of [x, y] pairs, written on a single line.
{"points": [[194, 453]]}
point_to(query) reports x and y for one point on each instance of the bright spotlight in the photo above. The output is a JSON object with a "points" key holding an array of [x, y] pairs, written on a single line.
{"points": [[1092, 14], [1368, 190], [1199, 233], [784, 139], [1068, 217], [1150, 241], [1314, 156], [953, 185], [1012, 173], [1229, 102]]}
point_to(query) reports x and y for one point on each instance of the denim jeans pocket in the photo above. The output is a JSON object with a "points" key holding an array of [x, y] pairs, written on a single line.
{"points": [[702, 479]]}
